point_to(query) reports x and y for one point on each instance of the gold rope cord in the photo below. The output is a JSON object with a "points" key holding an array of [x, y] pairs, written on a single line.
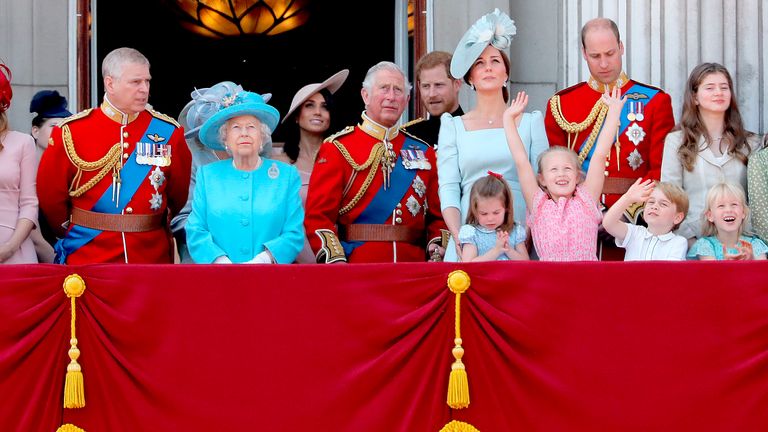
{"points": [[74, 394], [459, 426], [108, 162], [458, 382], [593, 135], [374, 159], [69, 428], [573, 127]]}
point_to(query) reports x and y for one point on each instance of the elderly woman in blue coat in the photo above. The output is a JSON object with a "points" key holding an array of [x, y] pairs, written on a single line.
{"points": [[246, 209]]}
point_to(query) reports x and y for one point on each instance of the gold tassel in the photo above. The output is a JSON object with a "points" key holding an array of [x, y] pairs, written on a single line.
{"points": [[457, 426], [74, 393], [69, 428], [458, 382]]}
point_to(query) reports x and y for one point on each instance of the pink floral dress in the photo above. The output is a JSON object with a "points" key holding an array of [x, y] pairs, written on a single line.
{"points": [[566, 229]]}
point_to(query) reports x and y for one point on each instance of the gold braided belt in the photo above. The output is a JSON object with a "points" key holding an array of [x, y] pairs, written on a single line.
{"points": [[596, 116], [109, 162]]}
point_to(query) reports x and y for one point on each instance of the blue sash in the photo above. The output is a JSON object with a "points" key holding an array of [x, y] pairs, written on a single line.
{"points": [[624, 122], [132, 175], [385, 201]]}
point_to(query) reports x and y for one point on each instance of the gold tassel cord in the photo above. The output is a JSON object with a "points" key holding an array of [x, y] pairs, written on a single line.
{"points": [[69, 428], [74, 394], [458, 382], [458, 426]]}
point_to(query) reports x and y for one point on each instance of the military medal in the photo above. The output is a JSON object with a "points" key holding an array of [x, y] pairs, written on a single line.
{"points": [[635, 133], [640, 108], [635, 159], [156, 201], [631, 115], [413, 206], [419, 186], [423, 161], [157, 178]]}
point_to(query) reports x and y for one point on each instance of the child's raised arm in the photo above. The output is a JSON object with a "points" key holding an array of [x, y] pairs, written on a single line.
{"points": [[595, 176], [638, 192], [525, 173]]}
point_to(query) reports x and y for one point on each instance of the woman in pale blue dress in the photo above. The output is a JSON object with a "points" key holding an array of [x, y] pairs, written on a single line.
{"points": [[475, 143]]}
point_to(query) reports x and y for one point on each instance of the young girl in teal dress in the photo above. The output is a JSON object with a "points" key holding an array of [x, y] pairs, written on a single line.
{"points": [[723, 227], [491, 233]]}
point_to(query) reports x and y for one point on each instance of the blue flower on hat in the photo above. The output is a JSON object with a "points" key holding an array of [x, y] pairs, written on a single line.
{"points": [[495, 28]]}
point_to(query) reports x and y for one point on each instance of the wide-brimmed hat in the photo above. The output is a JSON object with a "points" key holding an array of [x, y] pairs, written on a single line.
{"points": [[242, 103], [49, 104], [6, 92], [495, 28], [332, 84]]}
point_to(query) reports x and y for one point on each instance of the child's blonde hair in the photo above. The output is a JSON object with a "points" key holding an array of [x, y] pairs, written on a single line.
{"points": [[566, 150], [492, 186], [678, 197], [716, 192]]}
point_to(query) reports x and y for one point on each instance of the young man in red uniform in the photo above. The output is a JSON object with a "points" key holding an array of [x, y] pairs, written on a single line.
{"points": [[574, 116], [111, 175], [575, 112], [373, 191]]}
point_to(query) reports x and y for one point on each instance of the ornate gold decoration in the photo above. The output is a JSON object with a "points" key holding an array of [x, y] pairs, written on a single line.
{"points": [[458, 383], [458, 426], [74, 394], [69, 428], [110, 161], [373, 161], [600, 108]]}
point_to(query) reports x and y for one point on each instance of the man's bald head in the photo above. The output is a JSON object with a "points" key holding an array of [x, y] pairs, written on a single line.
{"points": [[599, 24]]}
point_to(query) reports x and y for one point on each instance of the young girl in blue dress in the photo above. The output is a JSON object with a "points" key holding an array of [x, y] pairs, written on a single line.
{"points": [[491, 233], [723, 227]]}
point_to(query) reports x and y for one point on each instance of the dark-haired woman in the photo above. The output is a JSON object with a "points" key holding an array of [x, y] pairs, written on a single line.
{"points": [[308, 122], [709, 145]]}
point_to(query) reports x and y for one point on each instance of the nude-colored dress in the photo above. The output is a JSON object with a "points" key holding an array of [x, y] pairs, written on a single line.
{"points": [[18, 197]]}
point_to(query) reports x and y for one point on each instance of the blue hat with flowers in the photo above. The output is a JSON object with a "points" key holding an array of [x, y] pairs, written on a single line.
{"points": [[495, 28], [235, 105]]}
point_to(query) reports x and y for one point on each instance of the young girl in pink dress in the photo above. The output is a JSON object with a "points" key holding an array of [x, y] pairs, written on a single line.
{"points": [[563, 212]]}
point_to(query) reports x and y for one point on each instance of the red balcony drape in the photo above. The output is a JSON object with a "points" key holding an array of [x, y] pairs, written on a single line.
{"points": [[549, 347]]}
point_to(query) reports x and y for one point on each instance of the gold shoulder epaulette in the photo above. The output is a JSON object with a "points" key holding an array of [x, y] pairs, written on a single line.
{"points": [[164, 117], [77, 116], [413, 122], [412, 136], [345, 131]]}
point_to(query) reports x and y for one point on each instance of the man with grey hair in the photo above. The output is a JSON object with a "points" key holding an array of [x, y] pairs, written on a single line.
{"points": [[373, 192], [112, 176]]}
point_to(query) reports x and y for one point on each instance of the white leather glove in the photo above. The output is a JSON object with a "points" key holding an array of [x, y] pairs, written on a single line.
{"points": [[222, 260], [261, 258]]}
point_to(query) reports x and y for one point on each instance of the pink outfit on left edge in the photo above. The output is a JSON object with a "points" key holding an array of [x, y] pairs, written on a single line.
{"points": [[566, 229], [18, 197]]}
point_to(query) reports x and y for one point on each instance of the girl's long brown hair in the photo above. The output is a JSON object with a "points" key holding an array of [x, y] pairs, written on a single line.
{"points": [[693, 129]]}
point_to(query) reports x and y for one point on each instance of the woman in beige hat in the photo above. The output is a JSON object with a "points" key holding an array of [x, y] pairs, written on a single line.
{"points": [[306, 124]]}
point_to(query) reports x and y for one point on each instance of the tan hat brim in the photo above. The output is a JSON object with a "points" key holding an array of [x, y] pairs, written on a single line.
{"points": [[332, 84]]}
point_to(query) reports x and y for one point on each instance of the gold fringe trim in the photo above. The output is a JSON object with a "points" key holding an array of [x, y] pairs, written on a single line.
{"points": [[457, 426], [458, 382], [74, 389], [69, 428]]}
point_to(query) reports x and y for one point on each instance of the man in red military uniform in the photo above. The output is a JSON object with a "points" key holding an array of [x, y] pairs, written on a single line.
{"points": [[575, 115], [111, 175], [373, 191]]}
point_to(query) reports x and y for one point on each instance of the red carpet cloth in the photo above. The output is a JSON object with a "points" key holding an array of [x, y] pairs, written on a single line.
{"points": [[549, 347]]}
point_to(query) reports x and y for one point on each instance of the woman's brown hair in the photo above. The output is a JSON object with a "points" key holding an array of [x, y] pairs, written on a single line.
{"points": [[691, 125]]}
